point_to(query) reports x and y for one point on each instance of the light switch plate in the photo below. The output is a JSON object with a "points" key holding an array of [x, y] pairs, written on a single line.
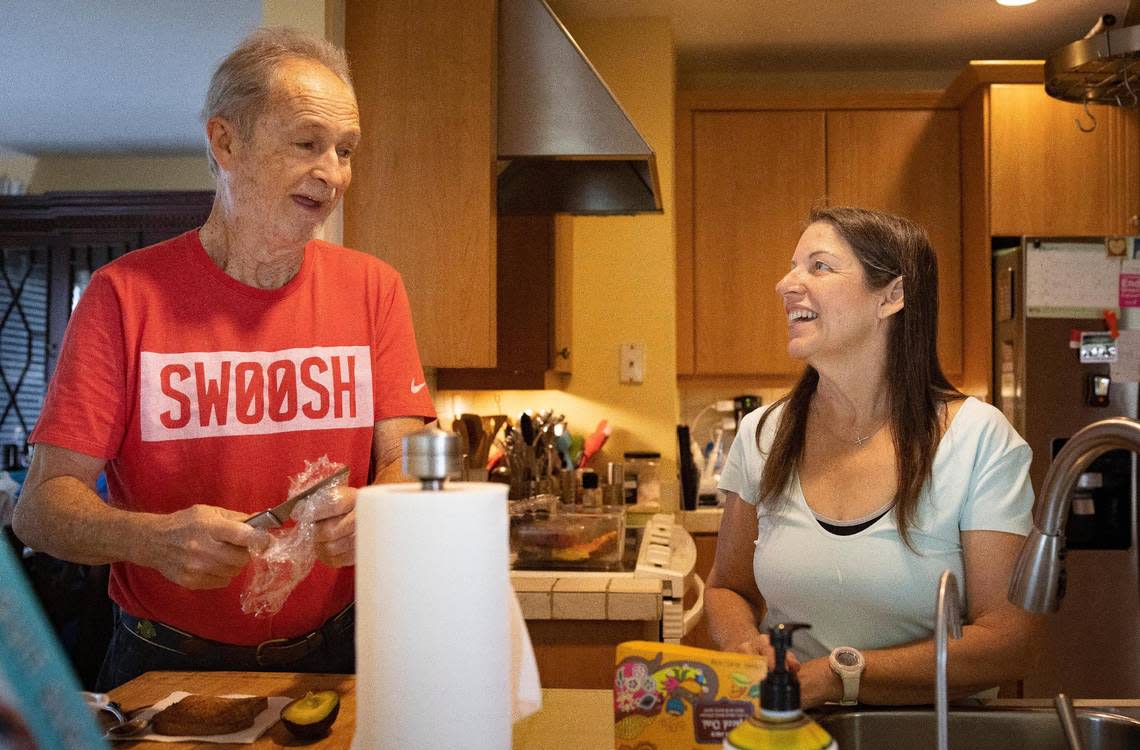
{"points": [[632, 368]]}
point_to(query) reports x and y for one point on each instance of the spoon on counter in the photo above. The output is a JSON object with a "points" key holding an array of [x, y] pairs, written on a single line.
{"points": [[128, 728]]}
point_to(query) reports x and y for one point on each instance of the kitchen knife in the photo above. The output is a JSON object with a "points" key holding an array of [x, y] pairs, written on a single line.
{"points": [[276, 516], [473, 424]]}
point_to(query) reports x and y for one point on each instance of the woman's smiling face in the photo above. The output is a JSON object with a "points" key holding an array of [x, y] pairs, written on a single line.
{"points": [[829, 308]]}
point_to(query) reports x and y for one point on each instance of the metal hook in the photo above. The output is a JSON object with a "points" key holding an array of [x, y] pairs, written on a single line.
{"points": [[1081, 127], [1128, 86]]}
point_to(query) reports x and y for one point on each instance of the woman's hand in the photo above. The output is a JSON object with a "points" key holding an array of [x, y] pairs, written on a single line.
{"points": [[762, 646], [818, 684]]}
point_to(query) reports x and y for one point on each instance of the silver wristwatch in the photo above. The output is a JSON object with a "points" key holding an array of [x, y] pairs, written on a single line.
{"points": [[848, 663]]}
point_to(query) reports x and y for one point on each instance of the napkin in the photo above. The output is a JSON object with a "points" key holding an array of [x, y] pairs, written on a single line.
{"points": [[263, 721], [526, 691]]}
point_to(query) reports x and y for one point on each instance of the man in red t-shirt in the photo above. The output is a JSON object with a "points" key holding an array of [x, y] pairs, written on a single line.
{"points": [[201, 373]]}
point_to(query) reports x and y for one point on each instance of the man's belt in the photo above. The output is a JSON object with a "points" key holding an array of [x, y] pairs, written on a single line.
{"points": [[272, 653]]}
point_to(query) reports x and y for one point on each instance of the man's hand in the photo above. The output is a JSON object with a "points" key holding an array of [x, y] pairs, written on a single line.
{"points": [[203, 546], [334, 529]]}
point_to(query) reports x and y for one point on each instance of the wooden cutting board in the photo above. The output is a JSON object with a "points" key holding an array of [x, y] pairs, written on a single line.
{"points": [[154, 686]]}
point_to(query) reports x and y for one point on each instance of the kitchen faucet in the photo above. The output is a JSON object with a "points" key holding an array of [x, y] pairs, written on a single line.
{"points": [[947, 624], [1038, 581]]}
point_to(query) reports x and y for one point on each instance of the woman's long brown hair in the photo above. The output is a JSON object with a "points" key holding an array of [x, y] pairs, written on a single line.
{"points": [[887, 247]]}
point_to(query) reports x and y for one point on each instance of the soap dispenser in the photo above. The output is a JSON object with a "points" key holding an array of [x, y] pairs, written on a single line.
{"points": [[781, 723]]}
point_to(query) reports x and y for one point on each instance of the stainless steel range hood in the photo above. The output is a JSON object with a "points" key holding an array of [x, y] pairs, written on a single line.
{"points": [[568, 146]]}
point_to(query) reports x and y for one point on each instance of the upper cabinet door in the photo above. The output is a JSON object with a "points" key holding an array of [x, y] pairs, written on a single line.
{"points": [[1049, 178], [423, 188], [756, 176], [906, 162]]}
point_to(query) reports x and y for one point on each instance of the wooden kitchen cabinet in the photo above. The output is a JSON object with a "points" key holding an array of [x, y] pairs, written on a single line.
{"points": [[747, 180], [534, 284], [1028, 170], [756, 176], [423, 194], [906, 162], [1049, 178]]}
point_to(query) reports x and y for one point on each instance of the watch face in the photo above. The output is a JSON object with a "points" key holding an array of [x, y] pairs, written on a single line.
{"points": [[847, 658]]}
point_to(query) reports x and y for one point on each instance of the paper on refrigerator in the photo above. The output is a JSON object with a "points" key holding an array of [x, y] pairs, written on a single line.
{"points": [[1126, 368], [1070, 280]]}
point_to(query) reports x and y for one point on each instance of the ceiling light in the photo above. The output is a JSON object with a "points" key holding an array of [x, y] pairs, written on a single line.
{"points": [[1015, 2]]}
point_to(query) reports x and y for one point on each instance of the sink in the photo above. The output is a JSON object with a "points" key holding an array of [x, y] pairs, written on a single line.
{"points": [[1009, 729]]}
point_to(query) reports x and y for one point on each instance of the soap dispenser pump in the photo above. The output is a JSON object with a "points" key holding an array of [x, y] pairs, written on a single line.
{"points": [[781, 723]]}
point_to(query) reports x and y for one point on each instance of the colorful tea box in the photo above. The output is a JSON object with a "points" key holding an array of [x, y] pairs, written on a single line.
{"points": [[673, 697]]}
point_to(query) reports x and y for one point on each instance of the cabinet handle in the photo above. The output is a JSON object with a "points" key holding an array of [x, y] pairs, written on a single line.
{"points": [[564, 352], [1134, 221]]}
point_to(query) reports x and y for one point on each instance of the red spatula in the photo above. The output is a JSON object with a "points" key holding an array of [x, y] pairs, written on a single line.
{"points": [[594, 442]]}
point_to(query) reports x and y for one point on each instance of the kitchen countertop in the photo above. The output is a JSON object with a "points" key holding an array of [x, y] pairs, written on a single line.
{"points": [[586, 596], [584, 715], [702, 520]]}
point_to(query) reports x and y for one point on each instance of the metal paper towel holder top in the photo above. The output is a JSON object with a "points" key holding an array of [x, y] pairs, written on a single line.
{"points": [[431, 455]]}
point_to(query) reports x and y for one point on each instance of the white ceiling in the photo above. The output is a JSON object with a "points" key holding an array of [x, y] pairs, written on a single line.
{"points": [[130, 75], [829, 35], [112, 75]]}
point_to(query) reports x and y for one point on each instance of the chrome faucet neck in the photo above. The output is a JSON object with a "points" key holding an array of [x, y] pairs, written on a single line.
{"points": [[947, 624], [1038, 581]]}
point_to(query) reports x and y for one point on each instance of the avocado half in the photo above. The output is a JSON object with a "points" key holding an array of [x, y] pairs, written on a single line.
{"points": [[312, 716]]}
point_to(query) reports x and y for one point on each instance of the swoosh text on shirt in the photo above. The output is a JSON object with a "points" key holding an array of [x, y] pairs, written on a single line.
{"points": [[417, 388]]}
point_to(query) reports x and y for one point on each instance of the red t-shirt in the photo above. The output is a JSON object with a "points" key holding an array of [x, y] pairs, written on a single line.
{"points": [[199, 389]]}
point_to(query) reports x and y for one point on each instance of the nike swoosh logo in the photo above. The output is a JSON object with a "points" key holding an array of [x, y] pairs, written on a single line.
{"points": [[417, 388]]}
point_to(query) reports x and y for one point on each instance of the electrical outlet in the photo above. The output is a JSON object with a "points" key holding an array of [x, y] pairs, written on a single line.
{"points": [[632, 369]]}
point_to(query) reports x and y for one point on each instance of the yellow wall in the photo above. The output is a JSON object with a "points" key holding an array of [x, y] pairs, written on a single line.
{"points": [[16, 166], [122, 172], [624, 273], [302, 14]]}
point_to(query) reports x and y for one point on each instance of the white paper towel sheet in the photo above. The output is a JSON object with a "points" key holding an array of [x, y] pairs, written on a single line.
{"points": [[443, 658]]}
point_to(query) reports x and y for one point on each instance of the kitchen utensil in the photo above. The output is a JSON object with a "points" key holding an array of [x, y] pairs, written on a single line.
{"points": [[577, 441], [128, 728], [595, 442], [276, 516], [103, 702], [563, 443], [492, 425], [477, 440], [460, 429]]}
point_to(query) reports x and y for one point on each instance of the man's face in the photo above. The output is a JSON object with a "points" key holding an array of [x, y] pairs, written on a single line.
{"points": [[287, 176]]}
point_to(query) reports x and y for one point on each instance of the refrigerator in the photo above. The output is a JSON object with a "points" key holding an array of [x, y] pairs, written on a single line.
{"points": [[1049, 299]]}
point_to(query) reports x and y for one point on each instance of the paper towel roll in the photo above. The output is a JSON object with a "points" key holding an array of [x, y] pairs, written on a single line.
{"points": [[432, 636]]}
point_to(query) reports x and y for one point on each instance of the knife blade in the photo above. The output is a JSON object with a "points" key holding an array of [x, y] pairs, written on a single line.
{"points": [[276, 516]]}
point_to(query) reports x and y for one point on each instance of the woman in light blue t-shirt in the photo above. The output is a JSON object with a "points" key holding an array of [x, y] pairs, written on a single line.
{"points": [[847, 498]]}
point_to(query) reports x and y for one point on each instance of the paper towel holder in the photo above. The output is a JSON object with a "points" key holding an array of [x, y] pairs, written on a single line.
{"points": [[431, 455]]}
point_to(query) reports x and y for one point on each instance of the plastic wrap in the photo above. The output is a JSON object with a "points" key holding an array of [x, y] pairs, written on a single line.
{"points": [[290, 551]]}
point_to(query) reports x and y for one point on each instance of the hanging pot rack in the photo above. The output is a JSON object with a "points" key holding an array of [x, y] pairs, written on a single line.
{"points": [[1102, 68]]}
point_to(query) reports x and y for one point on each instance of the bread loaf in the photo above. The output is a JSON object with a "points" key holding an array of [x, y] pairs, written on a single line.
{"points": [[207, 714]]}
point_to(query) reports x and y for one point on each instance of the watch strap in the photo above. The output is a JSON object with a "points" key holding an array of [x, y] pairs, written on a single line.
{"points": [[847, 663]]}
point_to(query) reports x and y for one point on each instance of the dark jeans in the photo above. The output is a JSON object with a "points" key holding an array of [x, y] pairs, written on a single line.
{"points": [[129, 656]]}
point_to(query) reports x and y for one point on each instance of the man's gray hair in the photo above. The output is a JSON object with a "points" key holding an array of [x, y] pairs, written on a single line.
{"points": [[241, 86]]}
